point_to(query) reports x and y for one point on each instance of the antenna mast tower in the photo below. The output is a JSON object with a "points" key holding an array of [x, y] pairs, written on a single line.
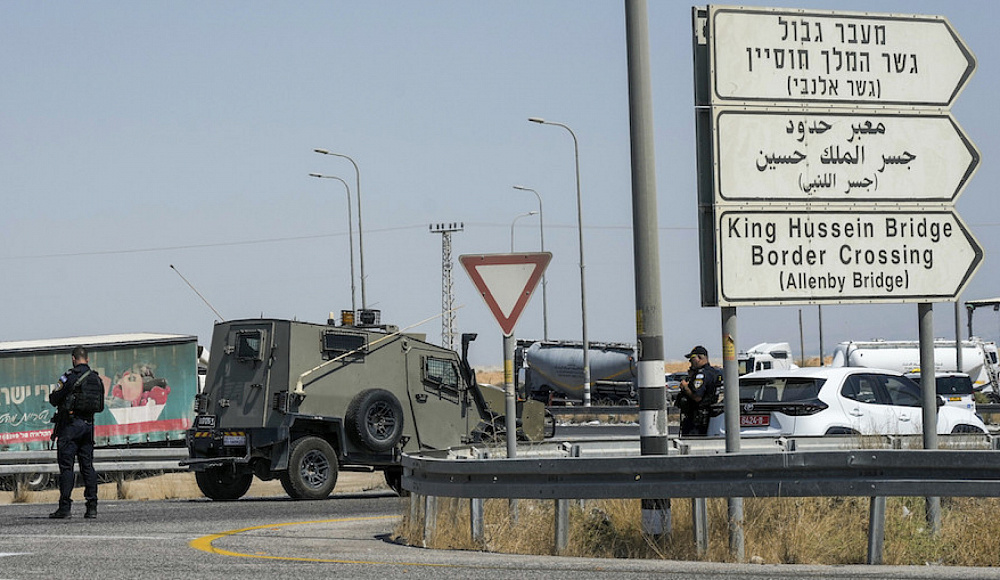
{"points": [[449, 327]]}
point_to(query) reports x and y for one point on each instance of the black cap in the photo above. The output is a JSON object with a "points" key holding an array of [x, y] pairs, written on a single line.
{"points": [[697, 350]]}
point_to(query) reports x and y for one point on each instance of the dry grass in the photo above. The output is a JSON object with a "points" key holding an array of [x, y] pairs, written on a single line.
{"points": [[777, 531]]}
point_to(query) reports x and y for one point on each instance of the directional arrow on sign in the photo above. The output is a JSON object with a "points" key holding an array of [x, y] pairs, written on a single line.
{"points": [[809, 155], [506, 281], [801, 256], [835, 57]]}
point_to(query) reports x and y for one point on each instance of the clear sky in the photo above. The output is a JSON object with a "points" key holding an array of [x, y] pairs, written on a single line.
{"points": [[136, 135]]}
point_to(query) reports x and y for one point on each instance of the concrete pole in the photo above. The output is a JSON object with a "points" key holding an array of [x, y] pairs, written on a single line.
{"points": [[646, 254]]}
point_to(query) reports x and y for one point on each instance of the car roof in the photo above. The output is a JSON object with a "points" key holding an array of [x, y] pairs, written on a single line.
{"points": [[939, 374], [817, 372]]}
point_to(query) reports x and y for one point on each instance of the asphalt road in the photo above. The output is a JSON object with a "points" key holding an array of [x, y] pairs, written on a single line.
{"points": [[344, 537]]}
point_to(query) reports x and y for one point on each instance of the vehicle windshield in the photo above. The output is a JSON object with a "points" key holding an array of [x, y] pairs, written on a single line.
{"points": [[780, 389], [954, 386]]}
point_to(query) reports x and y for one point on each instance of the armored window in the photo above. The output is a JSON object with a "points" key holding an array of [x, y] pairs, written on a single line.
{"points": [[441, 376], [249, 345], [338, 343]]}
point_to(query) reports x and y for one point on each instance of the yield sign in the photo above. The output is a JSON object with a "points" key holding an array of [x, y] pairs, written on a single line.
{"points": [[505, 282]]}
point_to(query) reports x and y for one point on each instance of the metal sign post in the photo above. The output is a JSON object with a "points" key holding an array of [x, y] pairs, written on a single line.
{"points": [[829, 164], [506, 281]]}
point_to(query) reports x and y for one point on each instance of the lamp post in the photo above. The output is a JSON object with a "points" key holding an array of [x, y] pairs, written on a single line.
{"points": [[361, 236], [350, 232], [512, 227], [541, 234], [583, 292]]}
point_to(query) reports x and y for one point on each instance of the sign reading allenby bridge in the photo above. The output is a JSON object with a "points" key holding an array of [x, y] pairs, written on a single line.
{"points": [[828, 161]]}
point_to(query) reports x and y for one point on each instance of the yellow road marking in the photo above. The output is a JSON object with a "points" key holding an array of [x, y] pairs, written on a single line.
{"points": [[204, 544]]}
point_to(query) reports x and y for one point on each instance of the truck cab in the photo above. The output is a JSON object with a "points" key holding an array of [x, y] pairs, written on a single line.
{"points": [[299, 401]]}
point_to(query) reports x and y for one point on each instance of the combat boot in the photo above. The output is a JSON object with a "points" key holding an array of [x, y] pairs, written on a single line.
{"points": [[60, 514], [91, 510]]}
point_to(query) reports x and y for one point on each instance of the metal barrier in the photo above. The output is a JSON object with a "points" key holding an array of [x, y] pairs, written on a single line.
{"points": [[105, 460], [967, 466]]}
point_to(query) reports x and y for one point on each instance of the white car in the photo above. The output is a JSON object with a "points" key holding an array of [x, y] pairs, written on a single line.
{"points": [[837, 401], [955, 389]]}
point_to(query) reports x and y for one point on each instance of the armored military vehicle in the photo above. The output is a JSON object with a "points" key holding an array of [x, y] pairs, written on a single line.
{"points": [[299, 401]]}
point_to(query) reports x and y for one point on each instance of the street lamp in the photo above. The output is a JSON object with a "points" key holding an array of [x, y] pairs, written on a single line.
{"points": [[541, 233], [583, 292], [350, 232], [361, 237], [512, 228]]}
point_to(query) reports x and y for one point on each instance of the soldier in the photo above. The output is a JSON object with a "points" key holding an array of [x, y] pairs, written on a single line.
{"points": [[74, 434], [698, 391]]}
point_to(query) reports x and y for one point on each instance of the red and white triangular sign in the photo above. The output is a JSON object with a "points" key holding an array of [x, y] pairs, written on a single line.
{"points": [[505, 282]]}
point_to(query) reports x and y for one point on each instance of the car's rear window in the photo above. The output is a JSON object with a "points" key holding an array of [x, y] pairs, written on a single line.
{"points": [[954, 386], [780, 389]]}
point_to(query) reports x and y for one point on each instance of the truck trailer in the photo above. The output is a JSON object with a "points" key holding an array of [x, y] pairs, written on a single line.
{"points": [[150, 381], [553, 372]]}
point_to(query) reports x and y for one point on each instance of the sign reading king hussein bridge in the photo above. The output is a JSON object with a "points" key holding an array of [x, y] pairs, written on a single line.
{"points": [[828, 161], [788, 256]]}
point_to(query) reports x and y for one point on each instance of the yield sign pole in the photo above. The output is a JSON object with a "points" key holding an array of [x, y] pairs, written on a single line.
{"points": [[506, 281]]}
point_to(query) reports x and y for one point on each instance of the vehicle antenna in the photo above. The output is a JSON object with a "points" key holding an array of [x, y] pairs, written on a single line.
{"points": [[221, 318]]}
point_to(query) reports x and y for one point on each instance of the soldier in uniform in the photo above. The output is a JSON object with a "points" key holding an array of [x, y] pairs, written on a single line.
{"points": [[74, 435], [698, 391]]}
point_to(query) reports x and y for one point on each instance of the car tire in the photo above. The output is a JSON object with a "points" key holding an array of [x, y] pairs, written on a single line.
{"points": [[221, 484], [375, 420], [312, 469]]}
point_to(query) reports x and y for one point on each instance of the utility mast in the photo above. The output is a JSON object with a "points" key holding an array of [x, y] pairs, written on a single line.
{"points": [[449, 326]]}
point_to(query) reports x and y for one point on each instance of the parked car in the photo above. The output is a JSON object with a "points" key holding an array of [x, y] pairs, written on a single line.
{"points": [[955, 389], [674, 384], [837, 401]]}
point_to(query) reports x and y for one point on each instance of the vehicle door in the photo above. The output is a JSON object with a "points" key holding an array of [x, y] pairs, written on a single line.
{"points": [[863, 399], [904, 404], [439, 400], [240, 387]]}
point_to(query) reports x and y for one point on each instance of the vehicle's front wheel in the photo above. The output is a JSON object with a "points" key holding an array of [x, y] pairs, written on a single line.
{"points": [[221, 484], [312, 469]]}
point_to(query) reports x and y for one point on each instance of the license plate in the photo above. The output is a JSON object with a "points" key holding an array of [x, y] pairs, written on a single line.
{"points": [[755, 420], [205, 422], [235, 440]]}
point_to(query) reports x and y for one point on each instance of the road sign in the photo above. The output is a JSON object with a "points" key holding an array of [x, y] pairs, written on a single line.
{"points": [[506, 281], [808, 155], [801, 256], [772, 55]]}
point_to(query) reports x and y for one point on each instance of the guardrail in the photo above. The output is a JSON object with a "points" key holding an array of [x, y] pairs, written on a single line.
{"points": [[29, 467], [968, 466]]}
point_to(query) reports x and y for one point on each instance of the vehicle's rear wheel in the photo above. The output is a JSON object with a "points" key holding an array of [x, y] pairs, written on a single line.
{"points": [[312, 469], [375, 420], [35, 481], [221, 484]]}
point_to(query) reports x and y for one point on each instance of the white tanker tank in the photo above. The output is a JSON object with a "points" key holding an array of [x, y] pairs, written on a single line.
{"points": [[553, 371], [979, 358]]}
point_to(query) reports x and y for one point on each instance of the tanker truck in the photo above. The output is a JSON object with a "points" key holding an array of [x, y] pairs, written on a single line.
{"points": [[553, 372], [979, 359]]}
